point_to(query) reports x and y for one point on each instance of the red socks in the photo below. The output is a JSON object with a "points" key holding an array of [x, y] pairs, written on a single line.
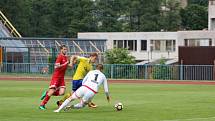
{"points": [[45, 100]]}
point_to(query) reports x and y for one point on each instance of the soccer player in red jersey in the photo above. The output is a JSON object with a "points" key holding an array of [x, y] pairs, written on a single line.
{"points": [[57, 85]]}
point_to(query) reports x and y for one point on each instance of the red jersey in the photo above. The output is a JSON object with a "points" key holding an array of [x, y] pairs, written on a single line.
{"points": [[60, 72]]}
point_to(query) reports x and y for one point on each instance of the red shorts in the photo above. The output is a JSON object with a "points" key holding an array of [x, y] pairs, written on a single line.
{"points": [[57, 83]]}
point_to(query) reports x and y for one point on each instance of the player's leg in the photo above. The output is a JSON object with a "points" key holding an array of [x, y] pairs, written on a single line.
{"points": [[67, 95], [81, 104], [91, 104], [75, 85], [52, 85], [65, 103], [76, 95], [61, 90], [46, 98], [88, 96], [52, 89], [56, 93], [43, 95]]}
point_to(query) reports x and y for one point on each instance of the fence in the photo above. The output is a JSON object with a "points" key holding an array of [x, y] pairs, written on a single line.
{"points": [[121, 71], [40, 50], [163, 72]]}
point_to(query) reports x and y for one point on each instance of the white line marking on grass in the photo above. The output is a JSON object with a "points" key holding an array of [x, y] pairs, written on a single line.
{"points": [[190, 119]]}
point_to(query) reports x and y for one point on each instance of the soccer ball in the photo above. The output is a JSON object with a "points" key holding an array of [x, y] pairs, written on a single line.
{"points": [[118, 106]]}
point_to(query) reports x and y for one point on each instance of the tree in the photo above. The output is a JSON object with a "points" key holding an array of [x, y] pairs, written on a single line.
{"points": [[119, 56], [198, 2], [40, 19], [170, 20], [82, 17], [61, 16], [143, 15], [108, 15], [17, 11], [194, 17], [65, 18], [150, 15]]}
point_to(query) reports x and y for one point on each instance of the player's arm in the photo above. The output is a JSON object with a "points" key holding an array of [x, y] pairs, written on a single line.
{"points": [[106, 89], [57, 63], [73, 60]]}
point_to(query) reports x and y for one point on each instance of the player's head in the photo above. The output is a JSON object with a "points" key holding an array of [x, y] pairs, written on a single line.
{"points": [[99, 67], [63, 49], [93, 57]]}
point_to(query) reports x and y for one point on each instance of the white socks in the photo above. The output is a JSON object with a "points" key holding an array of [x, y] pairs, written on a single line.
{"points": [[79, 105], [65, 103]]}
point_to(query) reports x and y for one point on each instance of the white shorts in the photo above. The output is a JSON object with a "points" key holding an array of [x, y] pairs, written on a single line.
{"points": [[84, 93]]}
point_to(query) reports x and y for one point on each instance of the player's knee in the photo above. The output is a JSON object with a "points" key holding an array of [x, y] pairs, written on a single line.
{"points": [[61, 93], [51, 92]]}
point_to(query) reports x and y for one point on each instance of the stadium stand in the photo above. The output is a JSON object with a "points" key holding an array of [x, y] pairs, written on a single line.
{"points": [[38, 53], [7, 30], [39, 50], [8, 27], [4, 31]]}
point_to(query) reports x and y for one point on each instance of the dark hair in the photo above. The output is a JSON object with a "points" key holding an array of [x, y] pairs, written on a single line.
{"points": [[93, 54], [99, 66], [62, 46]]}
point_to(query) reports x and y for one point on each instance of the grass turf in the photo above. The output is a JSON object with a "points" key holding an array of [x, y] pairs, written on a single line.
{"points": [[142, 102]]}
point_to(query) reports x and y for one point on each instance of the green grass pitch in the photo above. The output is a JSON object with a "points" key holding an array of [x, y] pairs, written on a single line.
{"points": [[19, 101]]}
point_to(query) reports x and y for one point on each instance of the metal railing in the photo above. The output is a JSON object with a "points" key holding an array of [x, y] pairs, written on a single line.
{"points": [[10, 27], [122, 71], [38, 50]]}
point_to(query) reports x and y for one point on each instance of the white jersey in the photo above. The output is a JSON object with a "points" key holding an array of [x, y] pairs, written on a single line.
{"points": [[94, 79]]}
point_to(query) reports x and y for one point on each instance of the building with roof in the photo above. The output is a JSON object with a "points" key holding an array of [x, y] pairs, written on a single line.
{"points": [[151, 46]]}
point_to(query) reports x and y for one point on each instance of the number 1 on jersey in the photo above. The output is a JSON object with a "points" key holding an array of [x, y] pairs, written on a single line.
{"points": [[95, 80], [96, 76]]}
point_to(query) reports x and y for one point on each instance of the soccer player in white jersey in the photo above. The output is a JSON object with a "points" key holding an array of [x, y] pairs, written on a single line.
{"points": [[89, 88]]}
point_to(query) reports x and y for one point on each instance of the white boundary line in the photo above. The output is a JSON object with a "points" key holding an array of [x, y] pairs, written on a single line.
{"points": [[191, 119]]}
